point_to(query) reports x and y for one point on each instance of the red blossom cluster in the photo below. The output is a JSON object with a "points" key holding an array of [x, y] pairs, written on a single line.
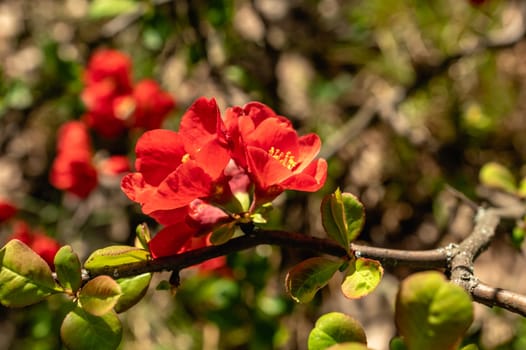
{"points": [[114, 104], [42, 244], [217, 172]]}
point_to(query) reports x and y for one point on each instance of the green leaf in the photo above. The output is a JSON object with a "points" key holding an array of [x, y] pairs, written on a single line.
{"points": [[133, 289], [334, 328], [496, 175], [362, 278], [343, 217], [397, 343], [432, 313], [223, 233], [102, 260], [331, 222], [81, 330], [68, 269], [470, 347], [354, 215], [305, 279], [99, 295], [25, 278], [109, 8], [143, 236]]}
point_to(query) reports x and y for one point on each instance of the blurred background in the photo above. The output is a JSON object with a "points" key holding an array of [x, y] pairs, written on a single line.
{"points": [[409, 97]]}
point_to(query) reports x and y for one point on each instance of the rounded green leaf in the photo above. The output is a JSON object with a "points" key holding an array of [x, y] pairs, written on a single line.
{"points": [[99, 295], [496, 175], [354, 215], [362, 278], [305, 279], [25, 278], [133, 289], [102, 260], [81, 330], [343, 217], [334, 328], [432, 313], [68, 269]]}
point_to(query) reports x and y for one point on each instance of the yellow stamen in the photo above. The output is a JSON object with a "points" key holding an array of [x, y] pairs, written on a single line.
{"points": [[185, 158], [285, 158]]}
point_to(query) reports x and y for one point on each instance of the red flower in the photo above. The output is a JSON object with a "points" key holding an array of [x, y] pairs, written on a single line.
{"points": [[113, 104], [7, 210], [174, 168], [39, 242], [112, 66], [276, 157], [114, 165], [152, 105], [72, 169]]}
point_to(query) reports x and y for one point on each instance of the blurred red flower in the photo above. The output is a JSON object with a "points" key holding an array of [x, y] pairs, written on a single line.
{"points": [[38, 241], [107, 65], [7, 210], [114, 104], [72, 169], [114, 165]]}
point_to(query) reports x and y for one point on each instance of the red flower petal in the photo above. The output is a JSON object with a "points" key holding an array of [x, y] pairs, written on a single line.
{"points": [[201, 123], [311, 179], [134, 186], [266, 170], [170, 240], [159, 153], [7, 210], [109, 64]]}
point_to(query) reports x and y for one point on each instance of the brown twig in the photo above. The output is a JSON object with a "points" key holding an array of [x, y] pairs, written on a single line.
{"points": [[458, 260]]}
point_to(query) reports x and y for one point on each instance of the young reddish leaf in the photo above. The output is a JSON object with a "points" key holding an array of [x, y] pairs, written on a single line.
{"points": [[342, 217], [496, 175], [99, 295], [68, 269], [334, 328], [362, 278], [25, 278], [104, 259], [133, 289], [81, 330], [431, 313], [305, 279]]}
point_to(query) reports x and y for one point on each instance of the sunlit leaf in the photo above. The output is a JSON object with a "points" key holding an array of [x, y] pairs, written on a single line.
{"points": [[305, 279], [362, 278], [498, 176], [102, 260], [343, 217], [99, 295], [68, 268], [81, 330], [334, 328], [133, 289], [25, 278], [432, 313]]}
